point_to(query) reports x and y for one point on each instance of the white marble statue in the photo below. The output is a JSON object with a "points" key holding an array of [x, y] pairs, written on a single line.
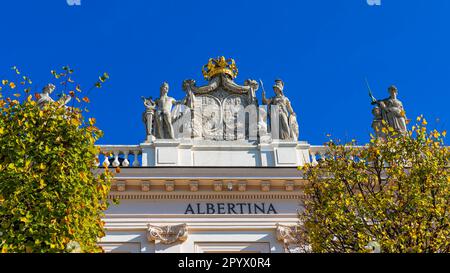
{"points": [[392, 111], [293, 125], [164, 127], [148, 116], [45, 98], [285, 110]]}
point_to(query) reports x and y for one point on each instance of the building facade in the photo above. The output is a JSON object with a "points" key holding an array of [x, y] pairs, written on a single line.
{"points": [[218, 172]]}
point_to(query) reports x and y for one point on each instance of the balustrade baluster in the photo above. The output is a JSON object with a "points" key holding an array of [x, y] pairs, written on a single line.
{"points": [[125, 162]]}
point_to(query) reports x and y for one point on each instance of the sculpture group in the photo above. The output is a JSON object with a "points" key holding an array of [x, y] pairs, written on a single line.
{"points": [[221, 109], [225, 110], [388, 114]]}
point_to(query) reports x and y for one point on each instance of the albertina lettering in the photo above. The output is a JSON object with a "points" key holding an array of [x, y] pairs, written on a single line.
{"points": [[230, 208]]}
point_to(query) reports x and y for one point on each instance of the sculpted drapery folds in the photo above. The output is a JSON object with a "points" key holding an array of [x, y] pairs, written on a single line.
{"points": [[288, 127], [389, 113]]}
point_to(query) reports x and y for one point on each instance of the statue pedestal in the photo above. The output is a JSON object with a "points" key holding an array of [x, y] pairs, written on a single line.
{"points": [[150, 139], [166, 152], [289, 153], [241, 153]]}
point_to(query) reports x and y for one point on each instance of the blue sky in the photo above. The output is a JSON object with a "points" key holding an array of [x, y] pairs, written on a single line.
{"points": [[322, 49]]}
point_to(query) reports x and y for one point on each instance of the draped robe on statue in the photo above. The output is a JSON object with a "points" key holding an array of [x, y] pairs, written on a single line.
{"points": [[393, 114]]}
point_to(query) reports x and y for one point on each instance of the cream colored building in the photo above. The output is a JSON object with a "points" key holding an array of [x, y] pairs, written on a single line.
{"points": [[211, 191]]}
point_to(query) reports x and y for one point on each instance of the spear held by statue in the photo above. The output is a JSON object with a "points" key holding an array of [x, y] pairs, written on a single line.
{"points": [[374, 100]]}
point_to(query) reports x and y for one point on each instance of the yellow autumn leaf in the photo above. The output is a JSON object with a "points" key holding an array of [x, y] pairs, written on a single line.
{"points": [[82, 176], [12, 85], [444, 133], [42, 184], [74, 122], [4, 82]]}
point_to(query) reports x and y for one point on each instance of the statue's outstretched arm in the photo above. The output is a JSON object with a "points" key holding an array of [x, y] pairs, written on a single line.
{"points": [[265, 101]]}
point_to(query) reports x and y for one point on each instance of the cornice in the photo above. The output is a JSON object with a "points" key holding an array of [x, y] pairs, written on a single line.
{"points": [[205, 196]]}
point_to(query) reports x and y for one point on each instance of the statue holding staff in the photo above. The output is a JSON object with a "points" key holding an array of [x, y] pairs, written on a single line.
{"points": [[285, 112], [392, 111], [148, 116]]}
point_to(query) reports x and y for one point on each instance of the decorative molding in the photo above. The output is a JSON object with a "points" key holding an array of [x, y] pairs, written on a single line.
{"points": [[145, 186], [265, 186], [218, 186], [289, 186], [290, 236], [167, 234], [193, 186], [169, 186], [121, 186], [204, 196], [242, 186]]}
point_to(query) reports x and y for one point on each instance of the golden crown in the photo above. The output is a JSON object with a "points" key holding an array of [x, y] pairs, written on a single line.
{"points": [[220, 65]]}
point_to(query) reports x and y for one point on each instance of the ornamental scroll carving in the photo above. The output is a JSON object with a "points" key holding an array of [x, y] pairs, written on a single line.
{"points": [[167, 234], [291, 237]]}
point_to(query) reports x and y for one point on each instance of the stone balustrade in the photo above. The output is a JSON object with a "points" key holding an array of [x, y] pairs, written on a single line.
{"points": [[139, 155], [317, 153], [120, 155]]}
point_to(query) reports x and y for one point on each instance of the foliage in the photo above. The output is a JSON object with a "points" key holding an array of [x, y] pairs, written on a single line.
{"points": [[51, 196], [394, 192]]}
